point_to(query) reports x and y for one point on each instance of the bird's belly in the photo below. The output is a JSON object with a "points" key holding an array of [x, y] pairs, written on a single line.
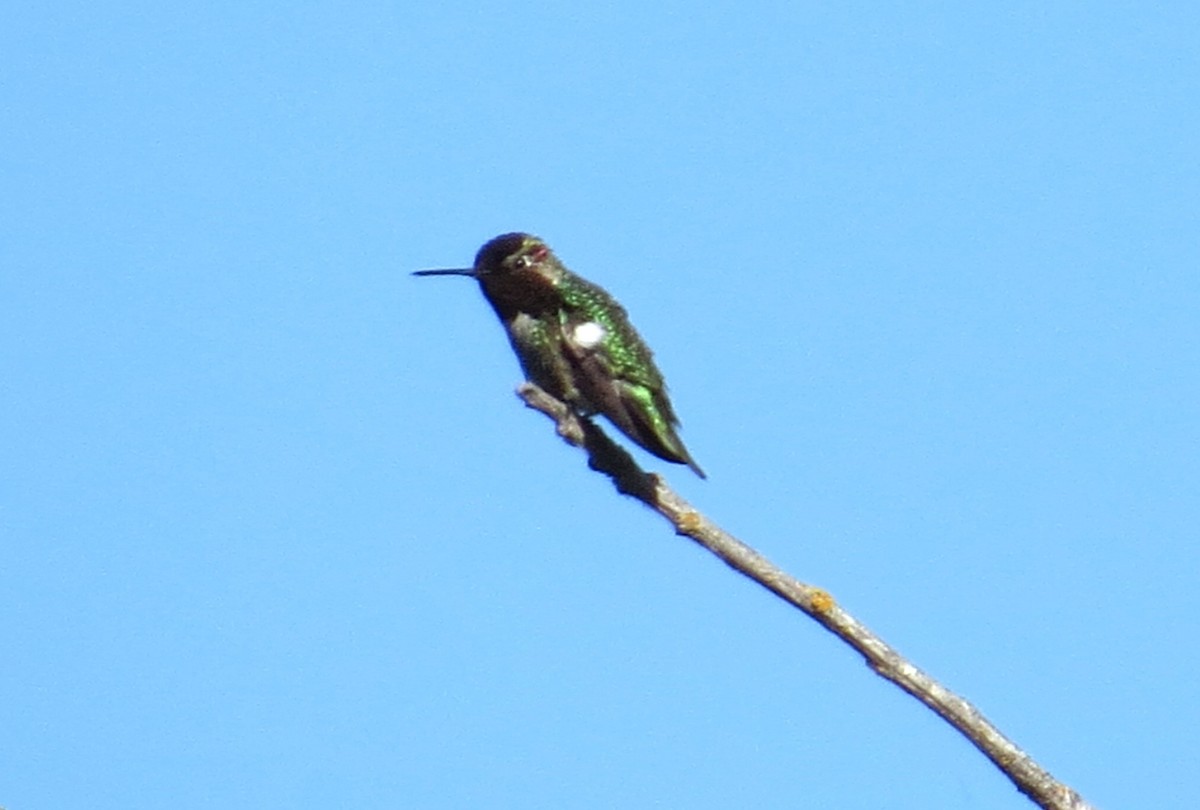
{"points": [[539, 347]]}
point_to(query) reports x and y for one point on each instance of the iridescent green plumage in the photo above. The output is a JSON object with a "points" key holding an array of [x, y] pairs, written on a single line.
{"points": [[576, 342]]}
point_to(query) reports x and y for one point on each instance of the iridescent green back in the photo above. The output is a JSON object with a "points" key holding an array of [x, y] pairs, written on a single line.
{"points": [[629, 356]]}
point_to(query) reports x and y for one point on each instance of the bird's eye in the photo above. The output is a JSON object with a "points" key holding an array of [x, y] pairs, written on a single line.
{"points": [[521, 262]]}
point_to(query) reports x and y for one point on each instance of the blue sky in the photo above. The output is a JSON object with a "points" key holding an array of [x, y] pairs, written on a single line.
{"points": [[275, 531]]}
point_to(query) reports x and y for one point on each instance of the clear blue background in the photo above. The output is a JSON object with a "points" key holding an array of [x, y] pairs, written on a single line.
{"points": [[275, 532]]}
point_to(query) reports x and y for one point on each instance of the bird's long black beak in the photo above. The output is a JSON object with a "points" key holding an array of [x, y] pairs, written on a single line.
{"points": [[455, 271]]}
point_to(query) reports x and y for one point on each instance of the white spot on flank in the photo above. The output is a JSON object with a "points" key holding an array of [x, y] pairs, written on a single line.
{"points": [[588, 335]]}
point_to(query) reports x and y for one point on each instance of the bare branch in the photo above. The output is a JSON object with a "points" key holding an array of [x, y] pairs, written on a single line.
{"points": [[611, 459]]}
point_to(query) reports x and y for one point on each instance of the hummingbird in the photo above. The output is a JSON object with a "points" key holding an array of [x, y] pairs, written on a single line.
{"points": [[575, 342]]}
